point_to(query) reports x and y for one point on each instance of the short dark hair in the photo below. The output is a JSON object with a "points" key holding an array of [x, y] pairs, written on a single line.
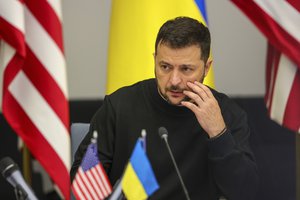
{"points": [[183, 32]]}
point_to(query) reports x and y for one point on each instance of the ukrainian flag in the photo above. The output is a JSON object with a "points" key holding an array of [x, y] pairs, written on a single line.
{"points": [[139, 181], [134, 25]]}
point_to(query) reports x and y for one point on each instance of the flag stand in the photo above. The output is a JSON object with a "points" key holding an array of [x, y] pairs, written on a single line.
{"points": [[297, 166], [26, 164]]}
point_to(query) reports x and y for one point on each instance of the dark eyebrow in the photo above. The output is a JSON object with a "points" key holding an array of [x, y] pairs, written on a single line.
{"points": [[187, 65], [183, 65], [163, 62]]}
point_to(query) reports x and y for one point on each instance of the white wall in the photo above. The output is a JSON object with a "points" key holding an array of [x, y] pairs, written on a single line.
{"points": [[238, 48], [86, 26]]}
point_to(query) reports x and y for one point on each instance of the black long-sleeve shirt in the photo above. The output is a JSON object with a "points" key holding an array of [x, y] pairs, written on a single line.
{"points": [[209, 167]]}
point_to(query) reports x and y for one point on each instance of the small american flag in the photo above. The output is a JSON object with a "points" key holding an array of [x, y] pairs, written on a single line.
{"points": [[91, 181]]}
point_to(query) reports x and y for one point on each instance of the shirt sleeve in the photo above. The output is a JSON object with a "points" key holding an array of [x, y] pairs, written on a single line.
{"points": [[233, 164]]}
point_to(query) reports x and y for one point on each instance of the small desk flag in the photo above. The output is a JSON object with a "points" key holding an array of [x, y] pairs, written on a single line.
{"points": [[91, 181], [139, 181]]}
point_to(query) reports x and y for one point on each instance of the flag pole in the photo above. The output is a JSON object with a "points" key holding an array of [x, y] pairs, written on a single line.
{"points": [[26, 165]]}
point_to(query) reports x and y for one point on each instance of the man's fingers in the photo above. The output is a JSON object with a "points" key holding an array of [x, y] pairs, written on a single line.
{"points": [[194, 97], [198, 90], [190, 106], [204, 88]]}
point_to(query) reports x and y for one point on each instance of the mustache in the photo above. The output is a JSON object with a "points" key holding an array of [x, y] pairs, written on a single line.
{"points": [[175, 88], [178, 89]]}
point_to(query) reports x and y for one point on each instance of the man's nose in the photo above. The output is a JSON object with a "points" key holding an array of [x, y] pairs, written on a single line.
{"points": [[175, 78]]}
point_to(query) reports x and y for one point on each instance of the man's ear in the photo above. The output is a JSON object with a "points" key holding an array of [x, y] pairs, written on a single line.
{"points": [[154, 57], [207, 66]]}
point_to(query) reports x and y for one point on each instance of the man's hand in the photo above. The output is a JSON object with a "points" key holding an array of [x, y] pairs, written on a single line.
{"points": [[205, 107]]}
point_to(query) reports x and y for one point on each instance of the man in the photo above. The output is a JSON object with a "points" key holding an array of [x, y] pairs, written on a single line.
{"points": [[208, 132]]}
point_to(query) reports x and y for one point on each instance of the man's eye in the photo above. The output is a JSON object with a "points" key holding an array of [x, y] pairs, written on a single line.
{"points": [[187, 69], [165, 67]]}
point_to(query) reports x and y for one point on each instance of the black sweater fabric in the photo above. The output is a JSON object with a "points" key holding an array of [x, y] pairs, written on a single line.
{"points": [[210, 167]]}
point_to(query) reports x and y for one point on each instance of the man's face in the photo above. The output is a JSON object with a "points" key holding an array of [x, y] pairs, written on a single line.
{"points": [[175, 67]]}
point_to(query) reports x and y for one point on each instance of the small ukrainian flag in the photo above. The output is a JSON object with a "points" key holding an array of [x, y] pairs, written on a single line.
{"points": [[139, 181]]}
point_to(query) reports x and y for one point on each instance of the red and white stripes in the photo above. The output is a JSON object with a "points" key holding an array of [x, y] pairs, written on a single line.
{"points": [[92, 184], [35, 100], [279, 22], [283, 84]]}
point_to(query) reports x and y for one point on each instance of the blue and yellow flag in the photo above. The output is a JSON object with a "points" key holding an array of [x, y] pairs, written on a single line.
{"points": [[134, 25], [139, 181]]}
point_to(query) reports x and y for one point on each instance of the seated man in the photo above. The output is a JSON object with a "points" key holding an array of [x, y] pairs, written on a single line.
{"points": [[208, 132]]}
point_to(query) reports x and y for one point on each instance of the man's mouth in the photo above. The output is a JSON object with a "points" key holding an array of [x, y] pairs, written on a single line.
{"points": [[176, 93]]}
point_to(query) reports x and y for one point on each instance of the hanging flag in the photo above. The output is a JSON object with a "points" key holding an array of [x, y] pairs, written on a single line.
{"points": [[133, 28], [35, 100], [139, 181], [279, 22], [91, 181]]}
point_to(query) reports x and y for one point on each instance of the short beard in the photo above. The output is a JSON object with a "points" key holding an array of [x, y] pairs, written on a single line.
{"points": [[176, 88], [166, 98], [186, 98]]}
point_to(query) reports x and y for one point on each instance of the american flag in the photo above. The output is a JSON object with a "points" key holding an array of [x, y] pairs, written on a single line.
{"points": [[279, 21], [90, 181], [35, 100]]}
